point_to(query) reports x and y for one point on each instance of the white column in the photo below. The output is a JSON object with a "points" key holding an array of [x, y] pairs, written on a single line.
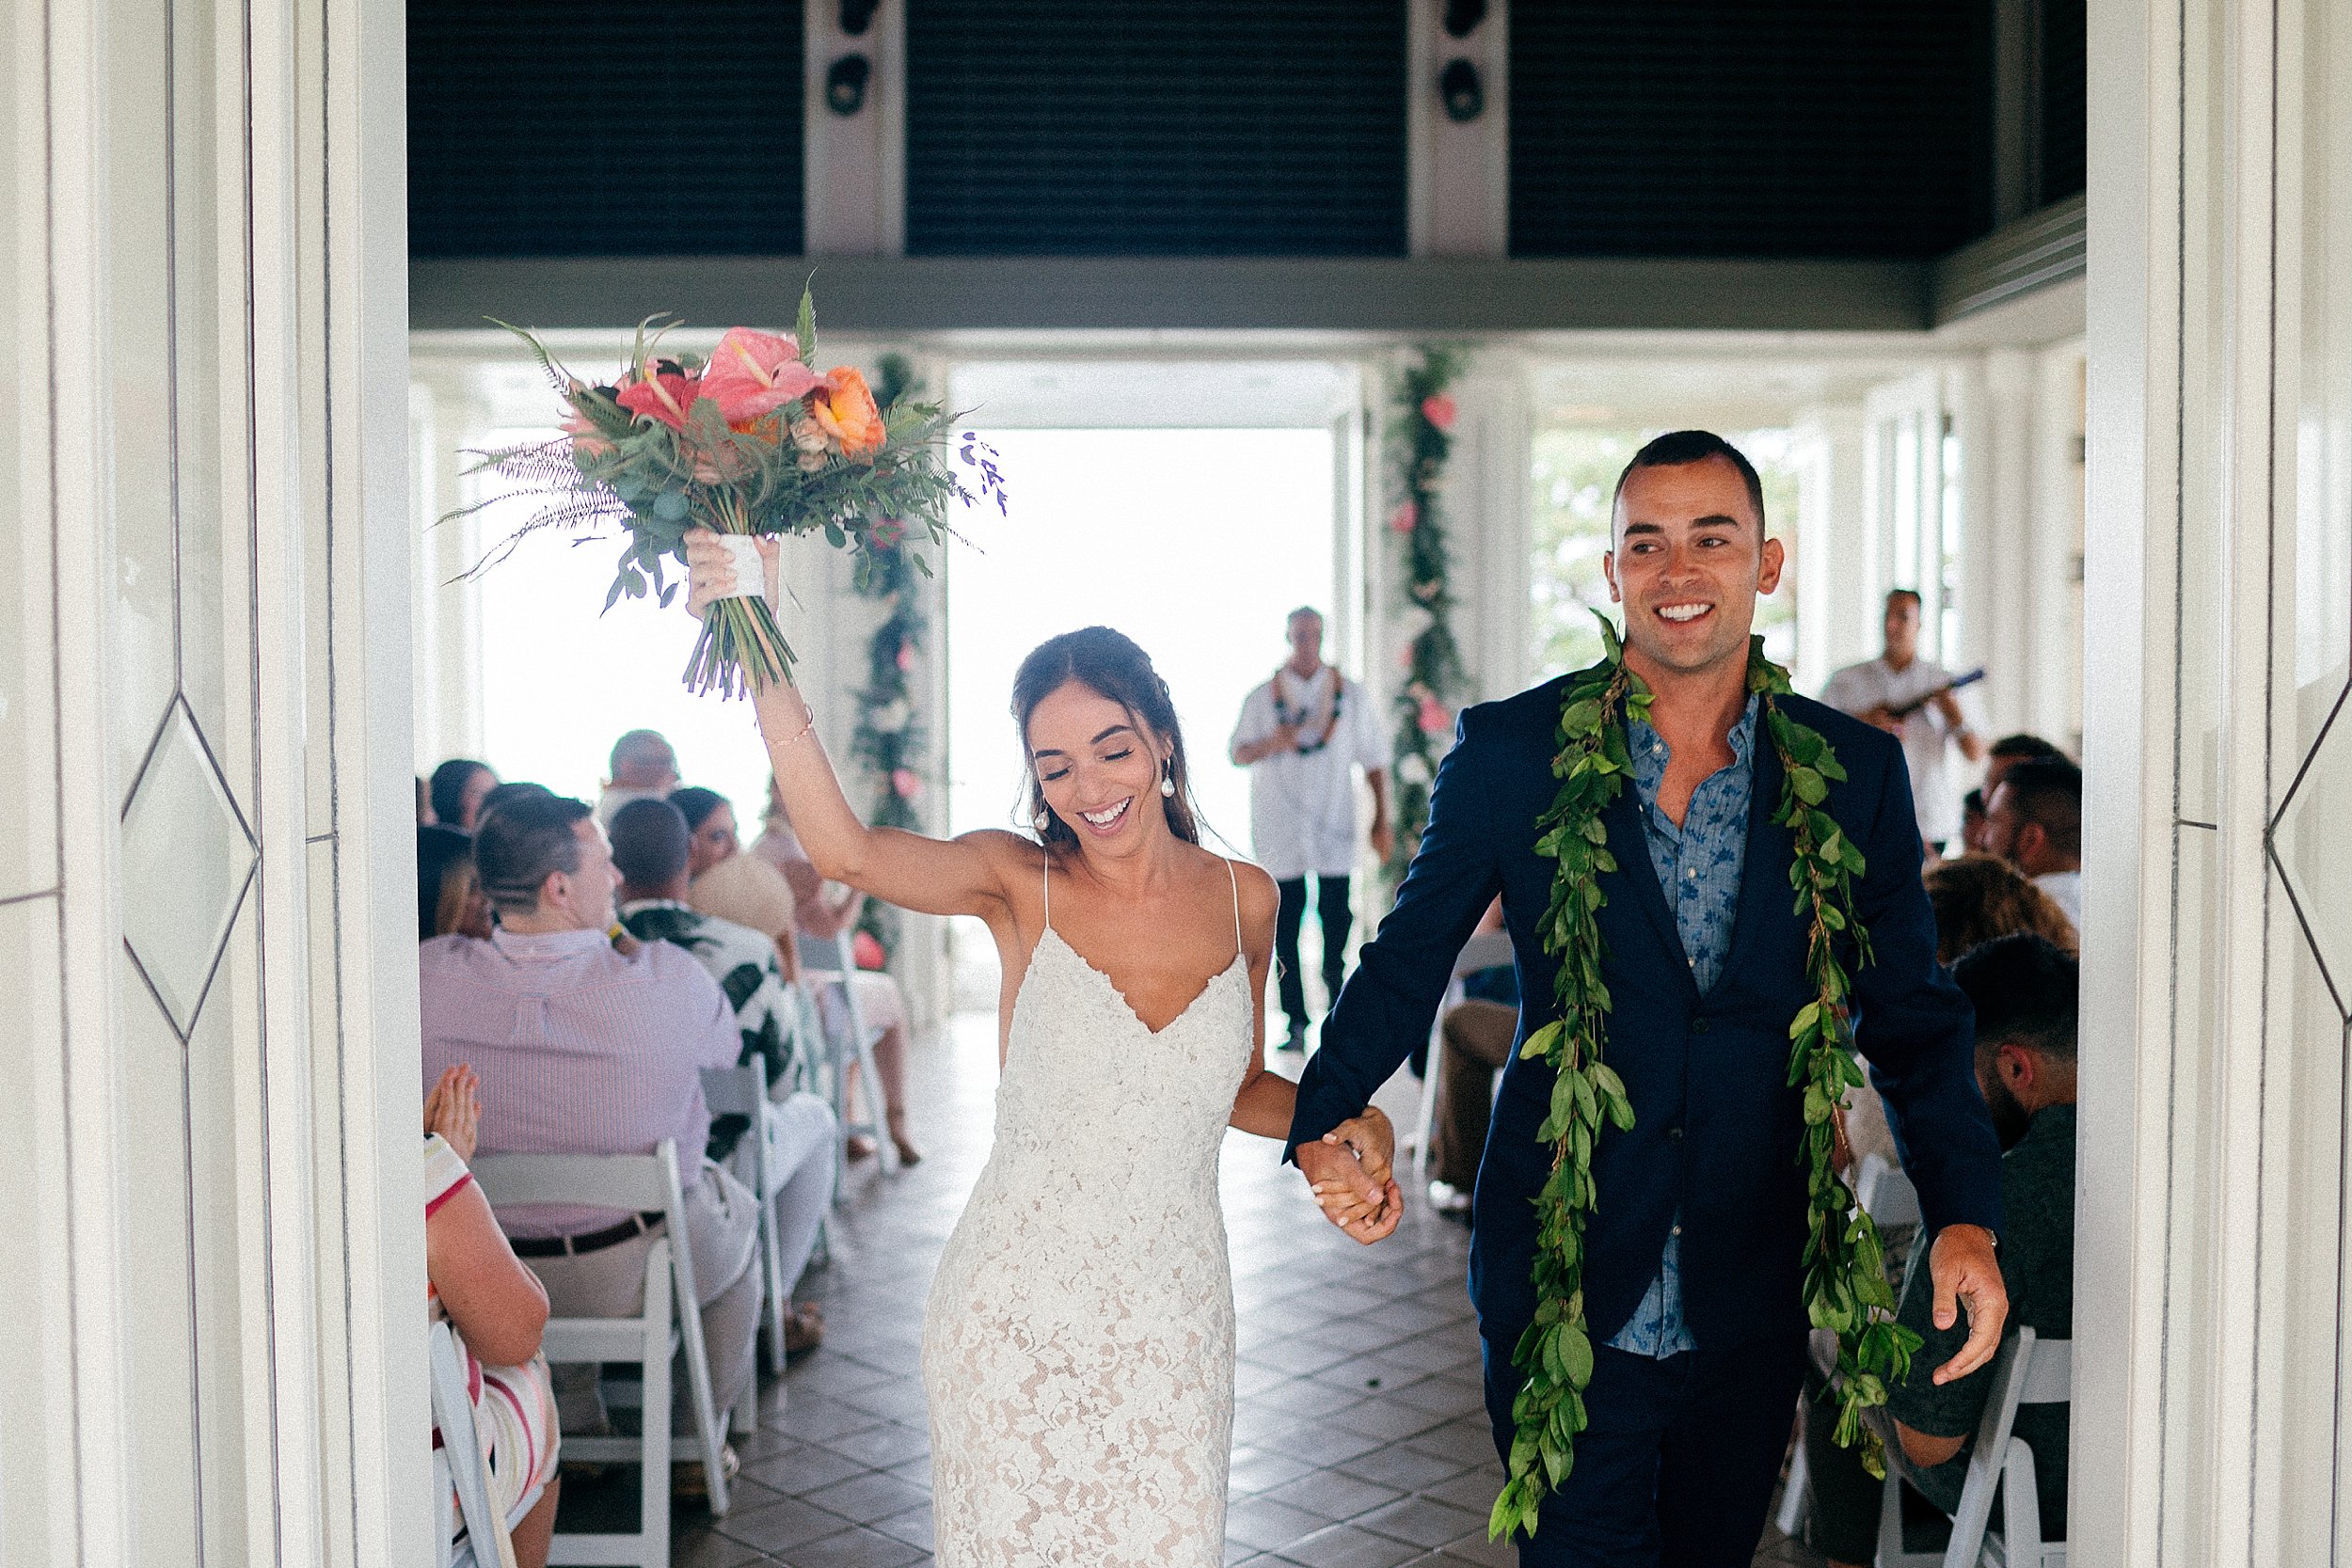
{"points": [[854, 164], [2000, 628], [218, 1342], [1486, 510], [2053, 555], [1837, 615]]}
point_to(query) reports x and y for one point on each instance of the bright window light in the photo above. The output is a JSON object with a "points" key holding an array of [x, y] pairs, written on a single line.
{"points": [[561, 682], [1195, 543]]}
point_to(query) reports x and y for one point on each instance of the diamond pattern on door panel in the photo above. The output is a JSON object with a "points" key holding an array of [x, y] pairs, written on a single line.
{"points": [[188, 857]]}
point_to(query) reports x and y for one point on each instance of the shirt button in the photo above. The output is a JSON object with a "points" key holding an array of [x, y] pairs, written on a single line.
{"points": [[1698, 1026], [1675, 1231]]}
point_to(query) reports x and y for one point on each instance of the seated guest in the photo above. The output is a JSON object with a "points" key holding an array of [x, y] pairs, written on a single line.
{"points": [[1478, 1033], [496, 1311], [2007, 751], [644, 768], [650, 851], [1972, 822], [1977, 899], [449, 894], [2025, 992], [710, 820], [458, 787], [826, 911], [2034, 820], [585, 1049], [500, 795]]}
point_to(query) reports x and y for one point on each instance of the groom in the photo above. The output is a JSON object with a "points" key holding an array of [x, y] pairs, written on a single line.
{"points": [[1694, 1253]]}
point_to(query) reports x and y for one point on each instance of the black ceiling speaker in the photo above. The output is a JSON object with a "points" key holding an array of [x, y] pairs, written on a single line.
{"points": [[845, 84], [858, 15], [1465, 95], [1462, 17]]}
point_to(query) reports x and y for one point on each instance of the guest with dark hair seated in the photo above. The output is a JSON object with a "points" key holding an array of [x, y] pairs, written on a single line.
{"points": [[2034, 820], [497, 1311], [649, 842], [2010, 750], [459, 786], [585, 1050], [2027, 995], [499, 795], [449, 894]]}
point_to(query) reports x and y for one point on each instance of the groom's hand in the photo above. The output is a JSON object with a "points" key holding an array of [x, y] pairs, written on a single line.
{"points": [[1365, 1206], [1967, 1271]]}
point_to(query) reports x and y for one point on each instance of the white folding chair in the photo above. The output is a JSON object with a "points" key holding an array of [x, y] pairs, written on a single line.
{"points": [[457, 1468], [829, 962], [1485, 950], [670, 1322], [2025, 1370], [1883, 1192], [741, 1091]]}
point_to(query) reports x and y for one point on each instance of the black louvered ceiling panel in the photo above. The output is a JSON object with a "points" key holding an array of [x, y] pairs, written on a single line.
{"points": [[596, 128], [1156, 127], [1727, 128], [2064, 47]]}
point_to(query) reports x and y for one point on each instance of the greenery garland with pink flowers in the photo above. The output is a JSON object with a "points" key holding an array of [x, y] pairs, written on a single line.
{"points": [[1420, 441], [889, 739]]}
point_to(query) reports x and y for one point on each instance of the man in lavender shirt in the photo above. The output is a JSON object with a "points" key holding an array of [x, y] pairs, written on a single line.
{"points": [[584, 1050]]}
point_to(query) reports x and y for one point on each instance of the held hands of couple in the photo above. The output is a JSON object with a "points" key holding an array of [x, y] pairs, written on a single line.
{"points": [[1967, 1273], [1349, 1171]]}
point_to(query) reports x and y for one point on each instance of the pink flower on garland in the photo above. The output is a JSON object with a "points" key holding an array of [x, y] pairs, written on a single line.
{"points": [[1405, 518], [887, 532], [905, 784], [868, 950], [1439, 411], [906, 658], [1434, 719]]}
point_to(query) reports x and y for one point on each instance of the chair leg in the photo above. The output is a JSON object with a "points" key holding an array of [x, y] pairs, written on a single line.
{"points": [[1794, 1499], [876, 1128], [1424, 1121]]}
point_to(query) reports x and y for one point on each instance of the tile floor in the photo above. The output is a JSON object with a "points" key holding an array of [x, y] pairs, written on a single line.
{"points": [[1360, 1439]]}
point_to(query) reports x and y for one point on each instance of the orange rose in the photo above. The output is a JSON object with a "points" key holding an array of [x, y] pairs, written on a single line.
{"points": [[846, 410]]}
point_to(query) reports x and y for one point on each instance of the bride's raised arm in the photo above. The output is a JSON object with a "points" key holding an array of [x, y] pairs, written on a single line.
{"points": [[960, 876]]}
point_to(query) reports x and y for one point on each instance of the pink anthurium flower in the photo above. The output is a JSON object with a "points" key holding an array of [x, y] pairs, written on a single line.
{"points": [[752, 375], [663, 395]]}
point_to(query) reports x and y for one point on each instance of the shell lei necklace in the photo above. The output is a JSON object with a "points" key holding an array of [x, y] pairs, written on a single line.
{"points": [[1845, 1279]]}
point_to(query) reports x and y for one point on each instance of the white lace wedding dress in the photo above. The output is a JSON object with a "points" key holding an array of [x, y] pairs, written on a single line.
{"points": [[1078, 1345]]}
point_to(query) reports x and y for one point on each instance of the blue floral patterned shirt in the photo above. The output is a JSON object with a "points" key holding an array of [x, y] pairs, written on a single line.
{"points": [[1698, 865]]}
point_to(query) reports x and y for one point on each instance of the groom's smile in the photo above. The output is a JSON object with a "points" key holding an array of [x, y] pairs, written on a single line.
{"points": [[1690, 559]]}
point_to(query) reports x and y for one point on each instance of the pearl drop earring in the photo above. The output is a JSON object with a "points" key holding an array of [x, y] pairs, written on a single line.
{"points": [[1168, 781]]}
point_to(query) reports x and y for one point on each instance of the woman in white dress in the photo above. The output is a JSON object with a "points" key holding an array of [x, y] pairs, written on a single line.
{"points": [[1078, 1344]]}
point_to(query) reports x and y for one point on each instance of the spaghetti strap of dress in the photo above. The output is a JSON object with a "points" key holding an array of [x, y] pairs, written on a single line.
{"points": [[1234, 878]]}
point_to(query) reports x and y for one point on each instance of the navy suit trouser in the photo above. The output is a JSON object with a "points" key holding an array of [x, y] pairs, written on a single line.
{"points": [[1678, 1467]]}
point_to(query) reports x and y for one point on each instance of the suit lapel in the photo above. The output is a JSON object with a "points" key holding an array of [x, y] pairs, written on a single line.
{"points": [[1629, 843], [1763, 871]]}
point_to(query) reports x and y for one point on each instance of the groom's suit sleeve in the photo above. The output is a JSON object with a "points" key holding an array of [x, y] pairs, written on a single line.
{"points": [[1916, 1030], [1385, 1006]]}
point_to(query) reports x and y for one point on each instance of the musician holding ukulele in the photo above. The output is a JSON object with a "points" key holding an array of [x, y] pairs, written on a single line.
{"points": [[1914, 699]]}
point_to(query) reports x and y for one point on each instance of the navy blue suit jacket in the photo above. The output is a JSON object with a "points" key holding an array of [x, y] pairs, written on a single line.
{"points": [[1716, 1123]]}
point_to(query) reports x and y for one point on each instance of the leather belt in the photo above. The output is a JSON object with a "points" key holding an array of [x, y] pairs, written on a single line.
{"points": [[587, 1240]]}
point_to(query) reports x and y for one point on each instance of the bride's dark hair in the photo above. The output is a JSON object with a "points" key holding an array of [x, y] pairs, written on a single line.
{"points": [[1108, 664]]}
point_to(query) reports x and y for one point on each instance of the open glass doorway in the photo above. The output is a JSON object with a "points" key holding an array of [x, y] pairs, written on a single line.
{"points": [[1189, 506]]}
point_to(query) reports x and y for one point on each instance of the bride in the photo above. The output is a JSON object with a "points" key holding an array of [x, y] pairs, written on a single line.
{"points": [[1079, 1342]]}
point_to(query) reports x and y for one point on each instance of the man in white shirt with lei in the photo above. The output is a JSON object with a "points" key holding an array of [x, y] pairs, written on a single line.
{"points": [[1303, 734], [1911, 699]]}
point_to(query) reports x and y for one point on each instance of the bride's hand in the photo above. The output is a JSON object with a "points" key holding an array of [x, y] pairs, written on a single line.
{"points": [[1372, 1139], [1367, 1223], [710, 569]]}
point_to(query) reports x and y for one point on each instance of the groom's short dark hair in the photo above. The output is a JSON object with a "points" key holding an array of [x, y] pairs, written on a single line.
{"points": [[1679, 447]]}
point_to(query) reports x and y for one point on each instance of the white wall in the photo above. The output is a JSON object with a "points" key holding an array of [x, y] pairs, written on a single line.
{"points": [[209, 1143]]}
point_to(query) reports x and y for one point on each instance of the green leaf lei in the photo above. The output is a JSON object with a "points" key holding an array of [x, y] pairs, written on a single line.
{"points": [[1844, 1280]]}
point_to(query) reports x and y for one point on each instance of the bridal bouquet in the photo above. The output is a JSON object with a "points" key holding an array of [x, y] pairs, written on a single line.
{"points": [[752, 441]]}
